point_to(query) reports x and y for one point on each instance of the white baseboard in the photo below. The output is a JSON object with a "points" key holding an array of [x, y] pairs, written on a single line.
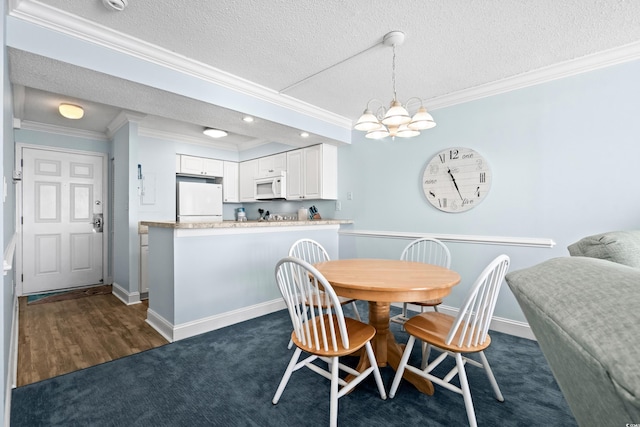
{"points": [[160, 324], [507, 326], [185, 330], [123, 295]]}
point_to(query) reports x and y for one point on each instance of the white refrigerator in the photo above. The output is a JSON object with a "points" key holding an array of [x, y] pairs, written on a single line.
{"points": [[198, 202]]}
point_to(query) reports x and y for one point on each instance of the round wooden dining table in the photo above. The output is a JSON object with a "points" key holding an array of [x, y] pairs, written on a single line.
{"points": [[381, 282]]}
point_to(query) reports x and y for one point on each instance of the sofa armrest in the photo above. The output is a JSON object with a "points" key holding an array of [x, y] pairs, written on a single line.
{"points": [[585, 313]]}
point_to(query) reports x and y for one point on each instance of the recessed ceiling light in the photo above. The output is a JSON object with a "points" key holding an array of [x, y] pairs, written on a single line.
{"points": [[118, 5], [247, 119], [304, 134], [214, 133], [71, 111]]}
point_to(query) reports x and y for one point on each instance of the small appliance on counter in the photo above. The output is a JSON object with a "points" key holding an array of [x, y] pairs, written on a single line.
{"points": [[198, 202], [303, 214], [241, 215], [267, 216]]}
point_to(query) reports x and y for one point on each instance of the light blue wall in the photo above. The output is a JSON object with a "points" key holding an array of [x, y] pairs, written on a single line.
{"points": [[6, 217], [122, 255], [564, 157]]}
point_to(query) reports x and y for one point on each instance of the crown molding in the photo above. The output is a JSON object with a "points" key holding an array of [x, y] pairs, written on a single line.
{"points": [[607, 58], [55, 19], [61, 130], [122, 119]]}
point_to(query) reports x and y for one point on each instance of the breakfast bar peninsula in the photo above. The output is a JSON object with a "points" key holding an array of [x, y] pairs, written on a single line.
{"points": [[207, 275]]}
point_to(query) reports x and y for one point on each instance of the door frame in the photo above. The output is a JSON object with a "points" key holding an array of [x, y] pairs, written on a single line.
{"points": [[17, 173]]}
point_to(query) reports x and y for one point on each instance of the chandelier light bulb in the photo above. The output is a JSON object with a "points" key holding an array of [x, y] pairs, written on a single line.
{"points": [[422, 120], [396, 115], [379, 133], [368, 121]]}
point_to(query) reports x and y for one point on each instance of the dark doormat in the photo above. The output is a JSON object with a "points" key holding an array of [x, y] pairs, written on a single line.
{"points": [[67, 295]]}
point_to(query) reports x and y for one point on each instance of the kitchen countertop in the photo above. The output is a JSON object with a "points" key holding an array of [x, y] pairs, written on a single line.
{"points": [[143, 225]]}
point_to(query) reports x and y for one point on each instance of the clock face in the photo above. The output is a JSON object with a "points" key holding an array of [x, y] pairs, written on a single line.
{"points": [[456, 179]]}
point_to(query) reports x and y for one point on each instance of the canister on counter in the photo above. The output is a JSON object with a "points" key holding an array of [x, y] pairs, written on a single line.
{"points": [[303, 214]]}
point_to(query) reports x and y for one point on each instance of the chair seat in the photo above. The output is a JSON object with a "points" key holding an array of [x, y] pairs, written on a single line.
{"points": [[433, 328], [359, 334], [428, 303]]}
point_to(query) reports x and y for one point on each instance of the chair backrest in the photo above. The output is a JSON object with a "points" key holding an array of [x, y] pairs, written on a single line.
{"points": [[313, 305], [472, 322], [309, 250], [429, 251]]}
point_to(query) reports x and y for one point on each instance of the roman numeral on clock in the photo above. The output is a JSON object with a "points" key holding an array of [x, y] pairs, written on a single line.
{"points": [[483, 177]]}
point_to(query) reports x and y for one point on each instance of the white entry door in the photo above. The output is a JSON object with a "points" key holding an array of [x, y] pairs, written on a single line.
{"points": [[62, 229]]}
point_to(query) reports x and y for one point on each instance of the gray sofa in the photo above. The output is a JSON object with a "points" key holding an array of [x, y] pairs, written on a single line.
{"points": [[585, 313]]}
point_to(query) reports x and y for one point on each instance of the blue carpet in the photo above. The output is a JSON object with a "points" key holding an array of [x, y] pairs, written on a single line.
{"points": [[228, 377]]}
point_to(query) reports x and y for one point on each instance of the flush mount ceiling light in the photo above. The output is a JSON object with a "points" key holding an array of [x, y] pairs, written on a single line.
{"points": [[118, 5], [214, 133], [304, 134], [394, 121], [247, 119], [71, 111]]}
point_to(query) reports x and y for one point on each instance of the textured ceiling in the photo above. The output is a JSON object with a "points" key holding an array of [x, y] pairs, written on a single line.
{"points": [[450, 46]]}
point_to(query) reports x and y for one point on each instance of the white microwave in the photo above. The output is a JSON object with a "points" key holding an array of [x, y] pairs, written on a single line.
{"points": [[271, 187]]}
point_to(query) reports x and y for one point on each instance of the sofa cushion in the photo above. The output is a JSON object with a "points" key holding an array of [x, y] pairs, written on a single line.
{"points": [[622, 247]]}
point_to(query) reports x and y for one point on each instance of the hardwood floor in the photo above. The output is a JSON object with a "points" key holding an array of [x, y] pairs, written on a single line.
{"points": [[64, 336]]}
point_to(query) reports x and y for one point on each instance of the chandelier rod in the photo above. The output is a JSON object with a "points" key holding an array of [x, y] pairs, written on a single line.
{"points": [[291, 86], [393, 73]]}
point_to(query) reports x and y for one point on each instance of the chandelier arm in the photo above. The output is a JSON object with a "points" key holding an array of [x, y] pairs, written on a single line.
{"points": [[411, 99]]}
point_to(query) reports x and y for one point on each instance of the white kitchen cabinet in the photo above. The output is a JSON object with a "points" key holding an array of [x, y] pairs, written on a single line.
{"points": [[230, 182], [144, 264], [202, 166], [248, 171], [270, 165], [312, 173], [295, 174]]}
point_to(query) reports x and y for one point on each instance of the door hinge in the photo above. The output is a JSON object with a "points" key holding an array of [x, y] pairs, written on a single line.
{"points": [[21, 220], [22, 277]]}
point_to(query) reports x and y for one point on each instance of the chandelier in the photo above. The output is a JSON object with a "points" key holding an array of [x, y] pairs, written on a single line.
{"points": [[394, 121]]}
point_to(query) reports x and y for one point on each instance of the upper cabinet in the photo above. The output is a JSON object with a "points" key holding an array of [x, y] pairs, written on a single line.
{"points": [[270, 165], [230, 193], [312, 173], [248, 172], [201, 166]]}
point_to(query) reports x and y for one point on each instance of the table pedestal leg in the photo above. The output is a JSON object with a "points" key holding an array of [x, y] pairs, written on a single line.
{"points": [[379, 319], [388, 352]]}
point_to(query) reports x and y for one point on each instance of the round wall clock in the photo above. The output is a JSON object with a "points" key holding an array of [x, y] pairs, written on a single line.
{"points": [[456, 179]]}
